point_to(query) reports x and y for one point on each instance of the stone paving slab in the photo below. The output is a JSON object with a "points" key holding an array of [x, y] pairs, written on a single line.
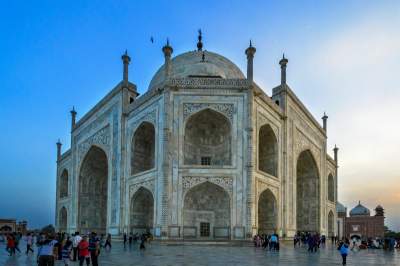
{"points": [[163, 255]]}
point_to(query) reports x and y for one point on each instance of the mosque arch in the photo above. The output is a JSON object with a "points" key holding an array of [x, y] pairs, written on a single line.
{"points": [[142, 211], [267, 213], [93, 191], [207, 139], [64, 184], [143, 148], [267, 150], [307, 193], [331, 188], [207, 212], [63, 220], [331, 222]]}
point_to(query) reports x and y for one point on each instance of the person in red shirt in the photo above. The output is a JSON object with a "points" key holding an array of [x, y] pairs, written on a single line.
{"points": [[84, 253], [11, 245]]}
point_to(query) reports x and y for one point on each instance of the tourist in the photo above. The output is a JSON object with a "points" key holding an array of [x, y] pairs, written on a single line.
{"points": [[46, 251], [344, 251], [130, 239], [83, 248], [125, 239], [274, 242], [66, 252], [29, 242], [17, 237], [311, 243], [10, 245], [142, 240], [75, 242], [94, 248], [108, 241]]}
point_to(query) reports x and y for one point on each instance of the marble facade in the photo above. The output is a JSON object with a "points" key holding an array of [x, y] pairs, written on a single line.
{"points": [[205, 153]]}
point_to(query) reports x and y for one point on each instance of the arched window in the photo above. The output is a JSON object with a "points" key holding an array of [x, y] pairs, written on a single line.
{"points": [[331, 188], [207, 139], [63, 185], [307, 188], [143, 148], [142, 208], [268, 151], [207, 212], [267, 213]]}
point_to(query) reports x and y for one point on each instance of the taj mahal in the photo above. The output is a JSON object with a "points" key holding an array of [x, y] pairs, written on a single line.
{"points": [[203, 154]]}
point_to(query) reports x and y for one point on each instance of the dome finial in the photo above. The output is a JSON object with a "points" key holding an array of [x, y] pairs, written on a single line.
{"points": [[199, 43]]}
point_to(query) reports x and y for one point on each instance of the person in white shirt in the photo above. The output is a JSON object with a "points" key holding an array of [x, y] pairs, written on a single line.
{"points": [[75, 242], [29, 242], [46, 251]]}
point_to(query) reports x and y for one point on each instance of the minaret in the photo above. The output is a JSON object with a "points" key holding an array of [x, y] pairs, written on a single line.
{"points": [[250, 51], [283, 62], [73, 118], [199, 42], [59, 144], [167, 50], [126, 60], [335, 150], [325, 122]]}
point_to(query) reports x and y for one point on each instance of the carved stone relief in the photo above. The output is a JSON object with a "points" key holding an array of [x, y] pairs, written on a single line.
{"points": [[225, 108], [190, 181], [101, 138], [149, 184]]}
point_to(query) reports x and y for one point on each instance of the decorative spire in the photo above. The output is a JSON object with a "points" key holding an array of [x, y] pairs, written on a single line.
{"points": [[325, 122], [167, 50], [199, 42], [59, 144], [283, 62], [125, 60], [250, 51], [73, 118]]}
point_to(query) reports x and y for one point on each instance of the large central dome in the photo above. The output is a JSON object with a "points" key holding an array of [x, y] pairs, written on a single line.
{"points": [[198, 64]]}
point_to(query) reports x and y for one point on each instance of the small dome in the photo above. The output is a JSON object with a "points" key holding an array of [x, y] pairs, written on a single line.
{"points": [[340, 208], [359, 210], [379, 207], [191, 64]]}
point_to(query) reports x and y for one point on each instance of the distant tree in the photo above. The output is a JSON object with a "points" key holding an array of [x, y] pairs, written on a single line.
{"points": [[48, 229]]}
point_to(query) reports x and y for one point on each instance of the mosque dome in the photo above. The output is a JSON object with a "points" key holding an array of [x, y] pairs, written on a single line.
{"points": [[340, 208], [198, 64], [359, 210]]}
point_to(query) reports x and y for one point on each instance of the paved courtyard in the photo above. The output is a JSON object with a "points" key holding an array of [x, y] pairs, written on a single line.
{"points": [[164, 255]]}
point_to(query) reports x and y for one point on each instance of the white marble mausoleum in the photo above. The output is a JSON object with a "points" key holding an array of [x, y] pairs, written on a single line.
{"points": [[204, 153]]}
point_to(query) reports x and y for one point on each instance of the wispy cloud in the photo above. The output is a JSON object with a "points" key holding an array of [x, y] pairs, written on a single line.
{"points": [[361, 65]]}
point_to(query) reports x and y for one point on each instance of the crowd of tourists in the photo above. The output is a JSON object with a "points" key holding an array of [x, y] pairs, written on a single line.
{"points": [[268, 242], [84, 249], [313, 240]]}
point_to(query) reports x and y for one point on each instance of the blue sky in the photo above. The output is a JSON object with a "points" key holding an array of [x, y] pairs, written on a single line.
{"points": [[343, 59]]}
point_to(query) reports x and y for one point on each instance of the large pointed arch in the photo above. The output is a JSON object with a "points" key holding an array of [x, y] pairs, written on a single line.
{"points": [[331, 188], [143, 148], [207, 211], [267, 150], [307, 193], [207, 139], [93, 191], [142, 211], [267, 213], [63, 184], [331, 224], [63, 220]]}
